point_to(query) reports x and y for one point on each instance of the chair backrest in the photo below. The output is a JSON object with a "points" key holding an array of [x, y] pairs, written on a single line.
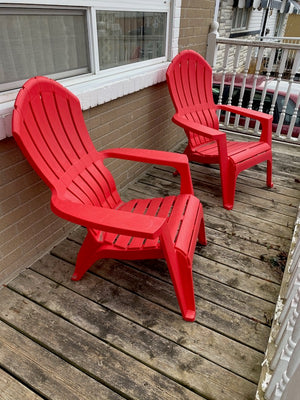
{"points": [[49, 127], [189, 79]]}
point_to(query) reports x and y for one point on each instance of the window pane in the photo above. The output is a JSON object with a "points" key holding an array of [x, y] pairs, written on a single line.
{"points": [[38, 42], [240, 18], [126, 37]]}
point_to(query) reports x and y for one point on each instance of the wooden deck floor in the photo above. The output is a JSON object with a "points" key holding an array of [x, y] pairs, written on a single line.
{"points": [[118, 333]]}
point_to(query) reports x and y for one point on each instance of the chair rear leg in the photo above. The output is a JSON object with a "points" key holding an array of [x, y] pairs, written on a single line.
{"points": [[86, 257], [202, 236]]}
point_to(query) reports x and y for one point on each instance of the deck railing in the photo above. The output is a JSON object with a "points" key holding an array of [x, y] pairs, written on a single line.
{"points": [[259, 74], [281, 381]]}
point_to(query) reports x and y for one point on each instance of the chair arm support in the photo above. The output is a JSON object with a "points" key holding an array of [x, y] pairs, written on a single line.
{"points": [[211, 133], [195, 127], [178, 161], [108, 220], [263, 118]]}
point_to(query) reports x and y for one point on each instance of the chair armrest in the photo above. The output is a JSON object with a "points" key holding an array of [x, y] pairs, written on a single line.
{"points": [[211, 133], [196, 127], [263, 118], [108, 220], [178, 161], [246, 112]]}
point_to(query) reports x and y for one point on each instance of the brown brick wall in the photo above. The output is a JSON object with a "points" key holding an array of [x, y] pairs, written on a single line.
{"points": [[28, 228], [196, 17]]}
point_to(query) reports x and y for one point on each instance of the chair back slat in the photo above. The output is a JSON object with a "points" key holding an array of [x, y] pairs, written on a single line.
{"points": [[49, 127], [189, 79]]}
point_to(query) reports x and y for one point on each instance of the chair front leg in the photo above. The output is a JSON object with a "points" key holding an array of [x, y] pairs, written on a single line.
{"points": [[86, 257], [228, 176]]}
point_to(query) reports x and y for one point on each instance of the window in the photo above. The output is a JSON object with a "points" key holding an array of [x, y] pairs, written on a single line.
{"points": [[240, 18], [129, 37], [99, 49], [61, 42], [41, 42]]}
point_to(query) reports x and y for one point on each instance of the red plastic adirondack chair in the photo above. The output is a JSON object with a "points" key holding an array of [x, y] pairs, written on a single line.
{"points": [[49, 128], [189, 79]]}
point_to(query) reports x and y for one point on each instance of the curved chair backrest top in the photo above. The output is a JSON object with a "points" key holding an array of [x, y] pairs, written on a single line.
{"points": [[189, 79], [49, 127]]}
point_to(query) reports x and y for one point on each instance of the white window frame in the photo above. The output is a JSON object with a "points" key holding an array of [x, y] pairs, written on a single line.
{"points": [[98, 87], [245, 17]]}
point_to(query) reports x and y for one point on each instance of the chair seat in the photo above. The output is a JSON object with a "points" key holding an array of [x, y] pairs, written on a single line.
{"points": [[237, 151], [183, 213]]}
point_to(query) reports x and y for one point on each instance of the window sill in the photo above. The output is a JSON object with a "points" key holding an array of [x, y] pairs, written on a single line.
{"points": [[241, 33], [93, 90]]}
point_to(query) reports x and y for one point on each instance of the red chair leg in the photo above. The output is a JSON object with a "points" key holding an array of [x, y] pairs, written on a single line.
{"points": [[228, 182], [189, 153], [229, 192], [86, 257], [181, 274], [269, 173], [201, 236], [184, 288]]}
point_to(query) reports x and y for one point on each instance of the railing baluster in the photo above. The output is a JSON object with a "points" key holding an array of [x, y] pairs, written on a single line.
{"points": [[287, 96], [290, 361], [287, 340], [246, 69], [294, 118], [284, 334], [286, 360], [227, 47], [280, 72], [287, 376], [278, 53], [257, 69], [235, 67], [268, 74]]}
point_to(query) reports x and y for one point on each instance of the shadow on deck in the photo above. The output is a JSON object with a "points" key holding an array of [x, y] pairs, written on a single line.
{"points": [[118, 333]]}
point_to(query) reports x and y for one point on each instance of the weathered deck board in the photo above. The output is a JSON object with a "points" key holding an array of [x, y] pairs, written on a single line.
{"points": [[12, 389], [118, 333], [49, 374], [141, 343], [86, 352]]}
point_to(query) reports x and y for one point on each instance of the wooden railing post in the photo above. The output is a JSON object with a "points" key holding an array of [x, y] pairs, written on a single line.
{"points": [[211, 50]]}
